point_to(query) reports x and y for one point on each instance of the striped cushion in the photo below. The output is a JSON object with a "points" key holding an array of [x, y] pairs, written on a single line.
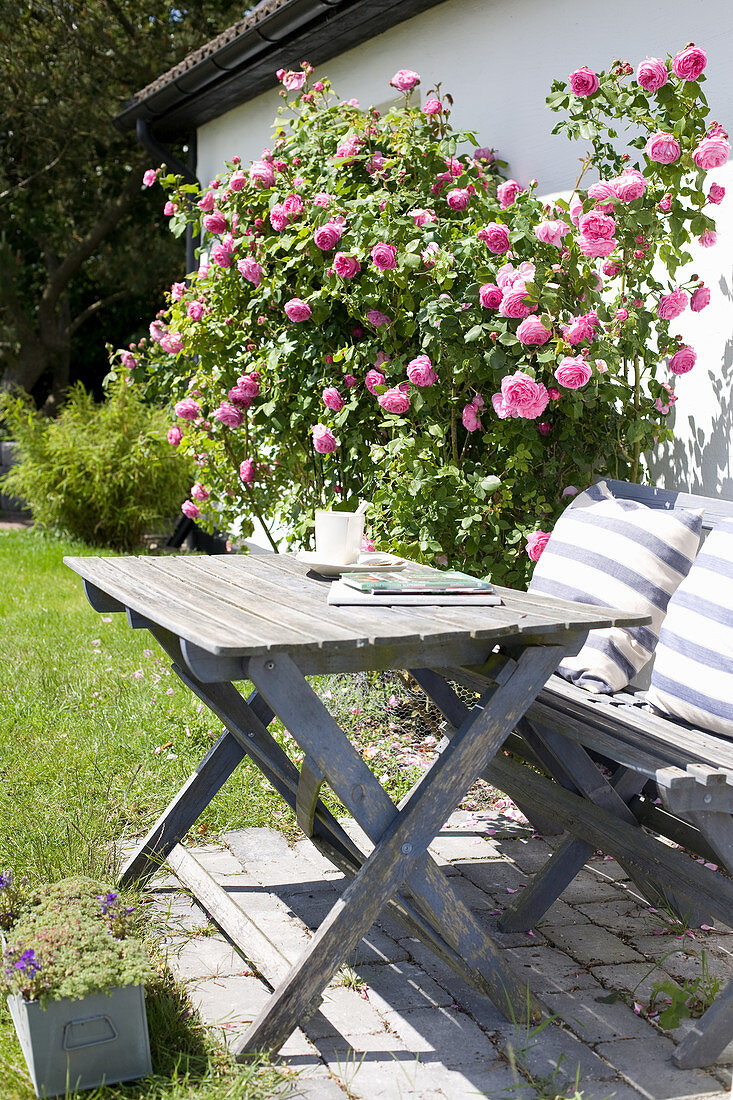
{"points": [[621, 554], [693, 667]]}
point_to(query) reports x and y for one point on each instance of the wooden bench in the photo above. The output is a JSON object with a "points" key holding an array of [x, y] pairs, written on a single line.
{"points": [[603, 763]]}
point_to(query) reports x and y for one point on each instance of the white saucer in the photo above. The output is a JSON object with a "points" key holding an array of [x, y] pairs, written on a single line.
{"points": [[375, 562]]}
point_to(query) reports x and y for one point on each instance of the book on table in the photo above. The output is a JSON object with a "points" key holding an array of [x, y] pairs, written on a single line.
{"points": [[416, 581]]}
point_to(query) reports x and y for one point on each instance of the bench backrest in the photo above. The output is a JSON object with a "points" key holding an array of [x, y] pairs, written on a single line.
{"points": [[716, 509]]}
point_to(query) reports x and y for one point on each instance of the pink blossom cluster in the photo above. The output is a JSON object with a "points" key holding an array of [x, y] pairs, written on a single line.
{"points": [[520, 396], [470, 417]]}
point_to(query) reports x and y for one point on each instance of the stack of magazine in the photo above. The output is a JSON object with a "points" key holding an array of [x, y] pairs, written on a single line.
{"points": [[415, 585]]}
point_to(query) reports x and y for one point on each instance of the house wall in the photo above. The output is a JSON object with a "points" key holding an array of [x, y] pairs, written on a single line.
{"points": [[498, 60]]}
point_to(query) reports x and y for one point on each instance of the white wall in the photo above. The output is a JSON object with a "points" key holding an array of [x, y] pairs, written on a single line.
{"points": [[498, 59]]}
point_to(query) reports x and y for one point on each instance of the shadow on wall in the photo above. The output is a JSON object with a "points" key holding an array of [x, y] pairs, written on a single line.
{"points": [[699, 460]]}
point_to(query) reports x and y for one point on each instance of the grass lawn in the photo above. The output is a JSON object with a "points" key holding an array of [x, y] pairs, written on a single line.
{"points": [[97, 735]]}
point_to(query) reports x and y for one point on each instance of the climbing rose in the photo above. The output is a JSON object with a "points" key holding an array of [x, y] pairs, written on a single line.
{"points": [[198, 491], [594, 247], [712, 152], [652, 74], [709, 238], [149, 177], [596, 226], [458, 199], [324, 441], [583, 82], [384, 256], [536, 543], [672, 305], [328, 236], [189, 509], [346, 266], [533, 332], [630, 185], [250, 270], [520, 396], [262, 174], [716, 194], [215, 223], [374, 317], [551, 232], [495, 237], [420, 371], [512, 303], [195, 310], [293, 206], [682, 361], [250, 384], [688, 64], [177, 291], [278, 217], [470, 418], [604, 193], [663, 148], [507, 192], [228, 415], [349, 381], [240, 397], [700, 298], [332, 399], [128, 360], [175, 435], [665, 203], [187, 409], [247, 471], [573, 373], [423, 217], [221, 254], [394, 400], [237, 181], [490, 296], [293, 82], [298, 310], [404, 80], [432, 106], [611, 268], [207, 202], [373, 379]]}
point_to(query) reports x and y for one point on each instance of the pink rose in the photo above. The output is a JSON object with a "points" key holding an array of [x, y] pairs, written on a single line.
{"points": [[578, 330], [207, 202], [573, 373], [663, 148], [324, 441], [611, 268], [583, 82], [237, 181], [293, 206], [688, 64], [394, 400], [384, 256], [198, 492], [404, 80], [665, 203], [293, 82], [321, 199], [346, 266], [672, 305], [221, 255], [262, 174], [712, 152], [521, 396], [175, 435], [652, 74], [169, 208], [594, 247], [187, 409], [495, 237], [373, 379], [189, 509], [156, 330], [278, 217], [682, 361], [250, 384], [512, 303], [536, 543], [349, 147], [551, 232], [375, 164], [229, 415], [507, 192], [248, 471], [432, 106], [420, 371], [458, 199], [622, 314], [470, 418], [328, 236], [532, 332], [603, 192], [332, 399], [575, 210], [172, 342], [700, 298], [240, 397], [215, 223], [376, 318], [716, 194], [630, 185], [349, 381], [195, 310], [149, 177], [709, 238], [250, 270], [177, 291], [423, 217], [490, 296], [298, 310], [596, 226]]}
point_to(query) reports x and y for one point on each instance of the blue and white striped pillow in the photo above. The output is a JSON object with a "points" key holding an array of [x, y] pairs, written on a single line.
{"points": [[692, 677], [621, 554]]}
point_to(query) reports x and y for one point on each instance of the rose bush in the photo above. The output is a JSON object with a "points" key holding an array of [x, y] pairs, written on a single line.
{"points": [[378, 314]]}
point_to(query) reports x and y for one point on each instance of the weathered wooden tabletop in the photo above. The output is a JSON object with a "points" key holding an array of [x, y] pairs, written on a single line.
{"points": [[251, 605]]}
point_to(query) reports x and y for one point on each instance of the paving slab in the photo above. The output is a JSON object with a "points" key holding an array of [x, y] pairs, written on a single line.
{"points": [[648, 1067]]}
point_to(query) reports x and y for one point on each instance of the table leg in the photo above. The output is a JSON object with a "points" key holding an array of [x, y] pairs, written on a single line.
{"points": [[402, 836]]}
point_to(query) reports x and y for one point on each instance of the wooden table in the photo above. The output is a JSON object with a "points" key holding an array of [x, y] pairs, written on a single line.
{"points": [[264, 619]]}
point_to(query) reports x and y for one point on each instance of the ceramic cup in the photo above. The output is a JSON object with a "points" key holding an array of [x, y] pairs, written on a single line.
{"points": [[338, 536]]}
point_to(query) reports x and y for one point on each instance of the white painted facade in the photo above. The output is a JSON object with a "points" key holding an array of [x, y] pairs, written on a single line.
{"points": [[498, 59]]}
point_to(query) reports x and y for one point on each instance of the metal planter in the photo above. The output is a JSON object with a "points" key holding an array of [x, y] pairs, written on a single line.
{"points": [[76, 1044]]}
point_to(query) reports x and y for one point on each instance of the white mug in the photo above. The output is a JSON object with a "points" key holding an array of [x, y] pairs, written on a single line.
{"points": [[338, 536]]}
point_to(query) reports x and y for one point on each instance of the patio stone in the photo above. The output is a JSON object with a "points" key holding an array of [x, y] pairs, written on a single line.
{"points": [[648, 1067], [205, 957], [553, 1051], [545, 969], [590, 944], [594, 1021], [402, 986]]}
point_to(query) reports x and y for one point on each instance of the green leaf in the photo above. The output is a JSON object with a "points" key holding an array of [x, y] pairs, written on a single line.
{"points": [[474, 334]]}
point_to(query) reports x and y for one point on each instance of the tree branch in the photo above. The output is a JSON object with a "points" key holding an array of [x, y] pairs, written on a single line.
{"points": [[29, 179], [94, 308]]}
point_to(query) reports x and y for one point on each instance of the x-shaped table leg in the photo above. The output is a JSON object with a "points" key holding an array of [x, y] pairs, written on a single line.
{"points": [[401, 838]]}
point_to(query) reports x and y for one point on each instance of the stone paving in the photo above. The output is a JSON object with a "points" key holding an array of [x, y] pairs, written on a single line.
{"points": [[397, 1023]]}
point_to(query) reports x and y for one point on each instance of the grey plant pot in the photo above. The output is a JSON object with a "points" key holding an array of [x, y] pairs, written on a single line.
{"points": [[76, 1044]]}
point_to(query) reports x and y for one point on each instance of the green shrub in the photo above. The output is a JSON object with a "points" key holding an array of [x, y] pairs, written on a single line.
{"points": [[103, 473]]}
